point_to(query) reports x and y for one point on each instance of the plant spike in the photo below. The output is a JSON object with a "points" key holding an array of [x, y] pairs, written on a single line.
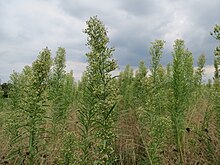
{"points": [[96, 113]]}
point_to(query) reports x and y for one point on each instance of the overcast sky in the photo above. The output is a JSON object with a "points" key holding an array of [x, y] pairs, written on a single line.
{"points": [[27, 26]]}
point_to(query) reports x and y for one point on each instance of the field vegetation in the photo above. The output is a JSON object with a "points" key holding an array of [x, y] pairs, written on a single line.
{"points": [[154, 115]]}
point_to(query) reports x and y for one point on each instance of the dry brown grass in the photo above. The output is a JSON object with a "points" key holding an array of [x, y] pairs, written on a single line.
{"points": [[129, 145], [200, 135], [201, 141]]}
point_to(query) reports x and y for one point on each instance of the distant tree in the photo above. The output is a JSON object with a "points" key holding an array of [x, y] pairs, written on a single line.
{"points": [[5, 88]]}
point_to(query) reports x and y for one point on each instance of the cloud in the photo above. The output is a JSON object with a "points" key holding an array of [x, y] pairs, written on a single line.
{"points": [[208, 73], [77, 67], [28, 26]]}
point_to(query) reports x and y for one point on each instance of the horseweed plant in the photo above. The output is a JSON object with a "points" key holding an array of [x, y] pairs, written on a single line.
{"points": [[139, 83], [96, 113], [58, 93], [200, 70], [27, 118], [167, 116], [125, 87], [216, 90], [182, 80], [154, 108]]}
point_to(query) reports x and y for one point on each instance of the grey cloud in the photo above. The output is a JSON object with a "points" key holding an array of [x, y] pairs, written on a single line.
{"points": [[83, 9], [138, 8], [28, 26]]}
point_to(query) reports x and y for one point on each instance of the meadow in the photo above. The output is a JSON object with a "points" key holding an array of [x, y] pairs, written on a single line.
{"points": [[154, 115]]}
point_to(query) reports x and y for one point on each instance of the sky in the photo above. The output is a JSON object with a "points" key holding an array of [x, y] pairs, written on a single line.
{"points": [[28, 26]]}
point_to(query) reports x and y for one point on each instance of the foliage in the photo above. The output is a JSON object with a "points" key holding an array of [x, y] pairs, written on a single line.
{"points": [[200, 70], [139, 85], [28, 116], [96, 113], [153, 120], [216, 90], [154, 115], [156, 53], [61, 91], [216, 35], [5, 87], [126, 87], [1, 101], [181, 85]]}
